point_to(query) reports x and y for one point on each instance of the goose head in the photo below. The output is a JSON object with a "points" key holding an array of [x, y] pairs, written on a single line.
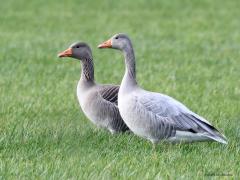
{"points": [[118, 41], [78, 50]]}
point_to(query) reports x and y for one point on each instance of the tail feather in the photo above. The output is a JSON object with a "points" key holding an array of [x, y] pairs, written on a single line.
{"points": [[219, 139], [210, 131]]}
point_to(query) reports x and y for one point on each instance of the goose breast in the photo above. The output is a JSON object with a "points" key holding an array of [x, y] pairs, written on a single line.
{"points": [[99, 103]]}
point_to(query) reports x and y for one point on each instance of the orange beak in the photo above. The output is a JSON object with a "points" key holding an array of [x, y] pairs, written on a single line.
{"points": [[106, 44], [66, 53]]}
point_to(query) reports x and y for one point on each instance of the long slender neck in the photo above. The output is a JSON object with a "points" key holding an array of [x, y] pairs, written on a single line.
{"points": [[130, 71], [87, 74]]}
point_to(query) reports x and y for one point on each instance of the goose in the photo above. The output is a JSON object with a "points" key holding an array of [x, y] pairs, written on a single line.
{"points": [[98, 102], [152, 115]]}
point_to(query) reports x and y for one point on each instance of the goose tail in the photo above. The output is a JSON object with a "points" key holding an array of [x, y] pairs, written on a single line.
{"points": [[218, 137], [210, 131]]}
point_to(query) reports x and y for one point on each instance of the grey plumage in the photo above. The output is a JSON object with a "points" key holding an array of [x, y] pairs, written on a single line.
{"points": [[98, 102], [156, 116]]}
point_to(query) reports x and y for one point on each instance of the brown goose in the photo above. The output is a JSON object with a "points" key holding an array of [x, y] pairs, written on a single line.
{"points": [[98, 102], [156, 116]]}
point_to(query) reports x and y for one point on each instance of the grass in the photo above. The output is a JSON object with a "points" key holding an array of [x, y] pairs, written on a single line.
{"points": [[186, 49]]}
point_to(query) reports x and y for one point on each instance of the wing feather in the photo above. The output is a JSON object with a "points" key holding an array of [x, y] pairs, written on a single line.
{"points": [[172, 115], [109, 93]]}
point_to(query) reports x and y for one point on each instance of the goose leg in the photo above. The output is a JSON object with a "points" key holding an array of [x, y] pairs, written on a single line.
{"points": [[154, 143], [113, 131], [154, 146], [154, 151]]}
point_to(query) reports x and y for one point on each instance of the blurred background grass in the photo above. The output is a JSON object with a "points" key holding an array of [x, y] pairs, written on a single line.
{"points": [[186, 49]]}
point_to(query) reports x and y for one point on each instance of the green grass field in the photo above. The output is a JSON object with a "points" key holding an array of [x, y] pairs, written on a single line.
{"points": [[187, 49]]}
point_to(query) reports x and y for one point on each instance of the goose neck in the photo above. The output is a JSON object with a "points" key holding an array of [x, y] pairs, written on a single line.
{"points": [[130, 67], [87, 73]]}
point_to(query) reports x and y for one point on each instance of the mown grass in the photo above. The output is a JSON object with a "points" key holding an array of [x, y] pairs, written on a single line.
{"points": [[186, 49]]}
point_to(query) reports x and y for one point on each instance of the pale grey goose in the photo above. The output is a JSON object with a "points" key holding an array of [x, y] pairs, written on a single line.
{"points": [[98, 102], [156, 116]]}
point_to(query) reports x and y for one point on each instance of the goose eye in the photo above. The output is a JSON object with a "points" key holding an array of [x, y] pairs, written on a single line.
{"points": [[77, 46], [116, 37]]}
